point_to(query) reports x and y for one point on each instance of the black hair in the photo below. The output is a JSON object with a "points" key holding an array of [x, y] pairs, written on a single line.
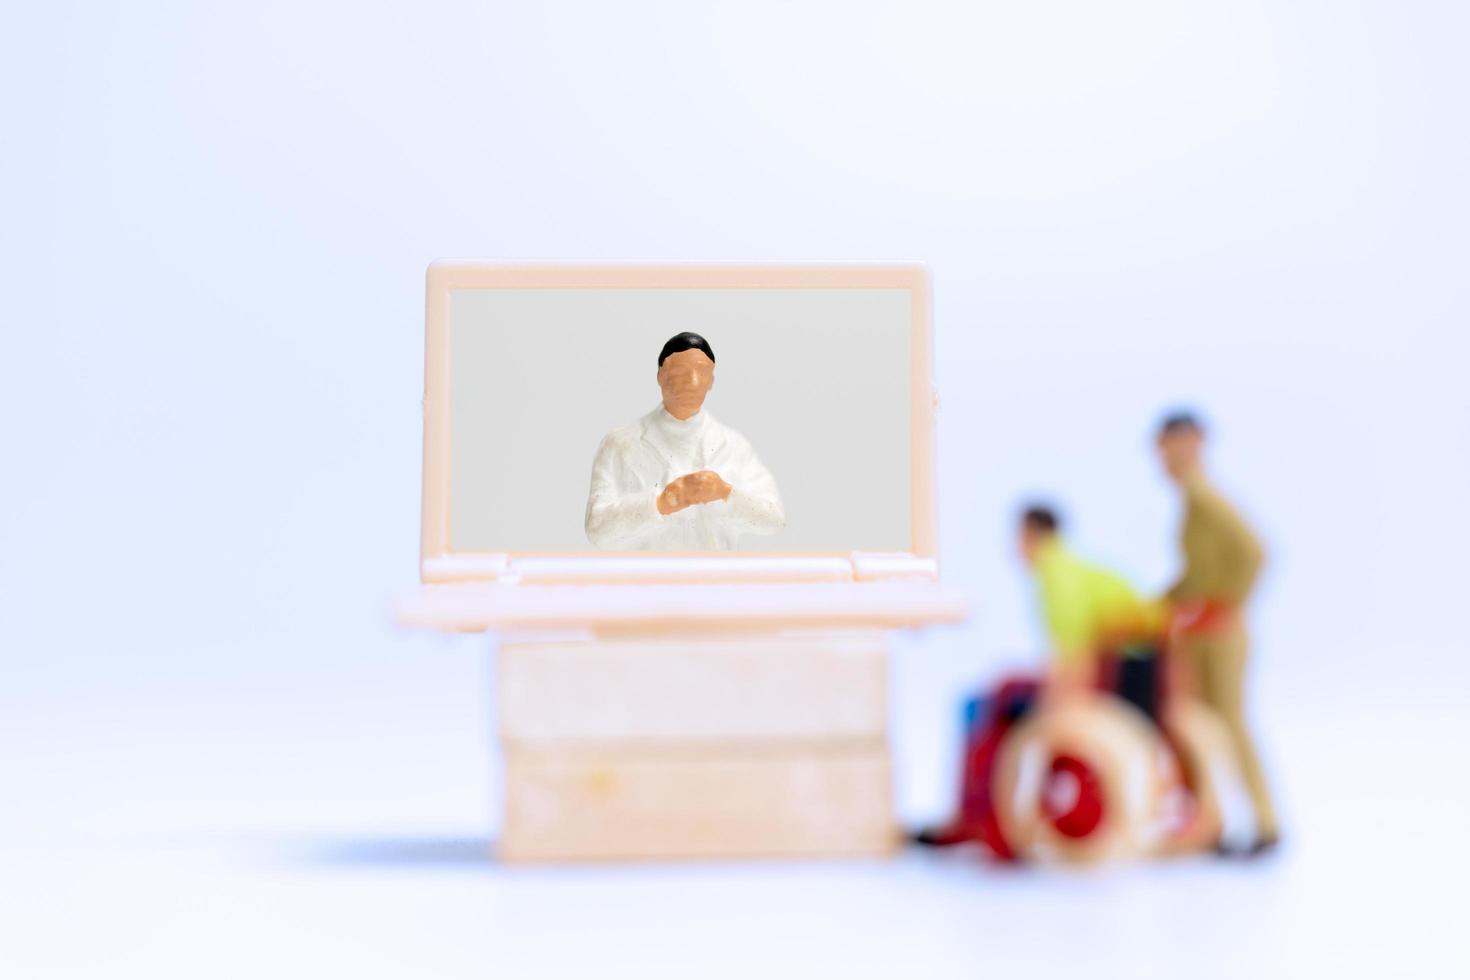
{"points": [[1040, 517], [1180, 420], [679, 343]]}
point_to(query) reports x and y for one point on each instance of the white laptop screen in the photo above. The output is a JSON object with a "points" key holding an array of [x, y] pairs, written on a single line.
{"points": [[781, 421]]}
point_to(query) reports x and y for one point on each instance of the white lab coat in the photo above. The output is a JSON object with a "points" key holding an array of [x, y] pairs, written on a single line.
{"points": [[635, 463]]}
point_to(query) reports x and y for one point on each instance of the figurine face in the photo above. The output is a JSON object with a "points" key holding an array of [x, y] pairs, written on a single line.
{"points": [[1180, 452], [685, 378], [1029, 540]]}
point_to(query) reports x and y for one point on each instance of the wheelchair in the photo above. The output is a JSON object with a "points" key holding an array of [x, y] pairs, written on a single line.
{"points": [[1122, 772]]}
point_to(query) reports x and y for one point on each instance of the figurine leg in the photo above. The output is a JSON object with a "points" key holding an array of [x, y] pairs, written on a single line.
{"points": [[1219, 662]]}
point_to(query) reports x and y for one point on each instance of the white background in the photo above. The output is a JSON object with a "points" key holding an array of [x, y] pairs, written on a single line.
{"points": [[220, 758]]}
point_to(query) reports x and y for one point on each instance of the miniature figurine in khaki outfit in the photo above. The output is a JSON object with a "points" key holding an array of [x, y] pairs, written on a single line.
{"points": [[676, 479], [1222, 559]]}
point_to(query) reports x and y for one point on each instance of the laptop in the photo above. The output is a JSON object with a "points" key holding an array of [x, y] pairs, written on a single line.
{"points": [[677, 427]]}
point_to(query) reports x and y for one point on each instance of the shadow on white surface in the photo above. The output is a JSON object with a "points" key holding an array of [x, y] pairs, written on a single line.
{"points": [[390, 853]]}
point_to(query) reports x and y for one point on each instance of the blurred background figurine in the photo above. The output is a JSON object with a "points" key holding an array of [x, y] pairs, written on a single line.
{"points": [[1091, 613], [676, 479], [1222, 559], [1187, 741], [1097, 623]]}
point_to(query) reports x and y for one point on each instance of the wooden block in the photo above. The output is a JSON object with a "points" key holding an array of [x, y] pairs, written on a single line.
{"points": [[805, 687], [591, 805]]}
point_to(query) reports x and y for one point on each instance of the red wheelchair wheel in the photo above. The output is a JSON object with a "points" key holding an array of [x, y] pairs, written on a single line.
{"points": [[1079, 785], [1073, 797]]}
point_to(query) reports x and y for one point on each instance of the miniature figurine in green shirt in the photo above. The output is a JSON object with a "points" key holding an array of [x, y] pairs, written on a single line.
{"points": [[1088, 610], [1222, 559]]}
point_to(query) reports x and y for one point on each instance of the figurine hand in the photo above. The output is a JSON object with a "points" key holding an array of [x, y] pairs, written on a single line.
{"points": [[707, 486], [703, 487], [672, 499]]}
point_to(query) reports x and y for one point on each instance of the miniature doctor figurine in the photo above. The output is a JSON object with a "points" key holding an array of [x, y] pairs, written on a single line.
{"points": [[676, 479]]}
